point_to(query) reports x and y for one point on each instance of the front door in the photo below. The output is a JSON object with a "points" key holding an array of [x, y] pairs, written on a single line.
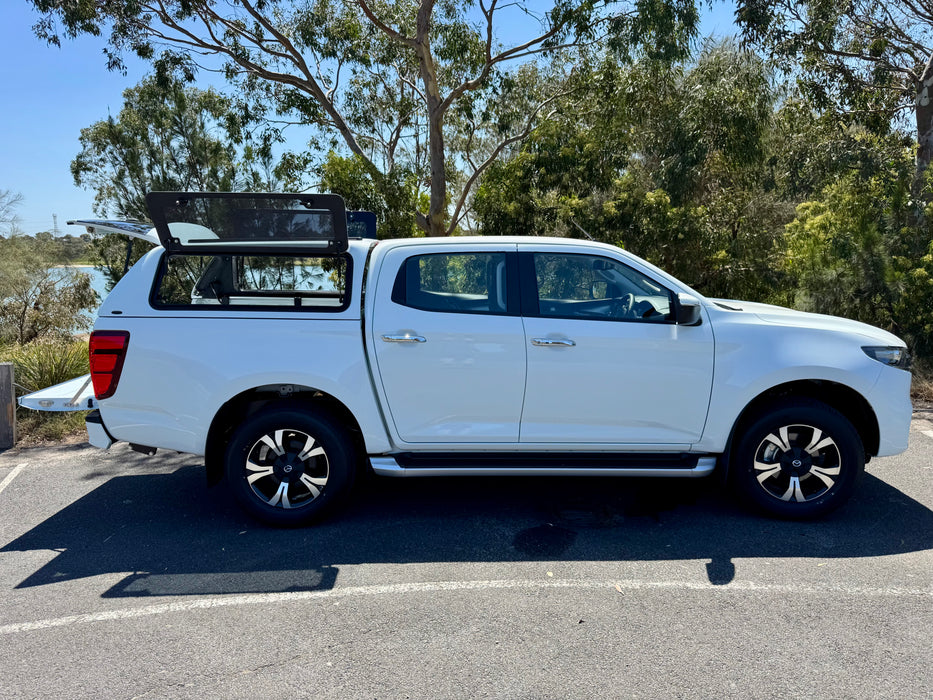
{"points": [[606, 362]]}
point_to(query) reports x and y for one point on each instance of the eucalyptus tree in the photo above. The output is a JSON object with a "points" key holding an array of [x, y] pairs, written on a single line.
{"points": [[167, 136], [39, 298], [871, 58], [669, 161], [862, 245], [387, 81]]}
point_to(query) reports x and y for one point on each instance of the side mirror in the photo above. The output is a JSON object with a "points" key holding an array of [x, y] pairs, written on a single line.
{"points": [[687, 310]]}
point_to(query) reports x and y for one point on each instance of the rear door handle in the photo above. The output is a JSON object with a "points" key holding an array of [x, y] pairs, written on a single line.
{"points": [[404, 338], [552, 342]]}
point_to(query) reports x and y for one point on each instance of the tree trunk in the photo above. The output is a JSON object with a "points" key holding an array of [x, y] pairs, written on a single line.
{"points": [[437, 210], [433, 223], [925, 119]]}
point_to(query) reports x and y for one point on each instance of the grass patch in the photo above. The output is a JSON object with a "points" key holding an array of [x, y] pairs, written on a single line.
{"points": [[39, 427], [38, 365]]}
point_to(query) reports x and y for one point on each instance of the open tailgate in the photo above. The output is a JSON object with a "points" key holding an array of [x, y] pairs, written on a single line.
{"points": [[74, 395]]}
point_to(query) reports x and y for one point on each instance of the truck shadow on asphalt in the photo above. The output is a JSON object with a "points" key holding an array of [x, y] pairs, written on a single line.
{"points": [[177, 537]]}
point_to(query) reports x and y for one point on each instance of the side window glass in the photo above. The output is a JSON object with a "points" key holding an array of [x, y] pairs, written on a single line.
{"points": [[237, 281], [593, 287], [457, 283], [261, 273]]}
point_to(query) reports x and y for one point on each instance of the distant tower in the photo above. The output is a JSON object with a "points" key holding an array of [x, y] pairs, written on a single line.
{"points": [[55, 230]]}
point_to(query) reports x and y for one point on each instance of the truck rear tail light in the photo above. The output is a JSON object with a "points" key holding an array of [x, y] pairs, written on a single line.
{"points": [[107, 350]]}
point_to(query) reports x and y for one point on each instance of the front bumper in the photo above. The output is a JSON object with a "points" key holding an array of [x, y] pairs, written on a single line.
{"points": [[890, 400]]}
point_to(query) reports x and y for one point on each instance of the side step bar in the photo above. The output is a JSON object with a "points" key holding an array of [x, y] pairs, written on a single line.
{"points": [[543, 464]]}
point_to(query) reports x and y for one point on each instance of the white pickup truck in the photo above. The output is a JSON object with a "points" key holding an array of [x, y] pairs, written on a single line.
{"points": [[292, 356]]}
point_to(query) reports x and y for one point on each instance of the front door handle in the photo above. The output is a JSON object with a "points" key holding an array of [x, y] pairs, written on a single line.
{"points": [[552, 342], [404, 338]]}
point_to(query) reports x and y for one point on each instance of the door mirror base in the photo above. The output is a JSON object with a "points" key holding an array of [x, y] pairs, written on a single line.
{"points": [[687, 310]]}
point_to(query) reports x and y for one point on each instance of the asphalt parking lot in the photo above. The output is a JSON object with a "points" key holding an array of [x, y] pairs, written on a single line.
{"points": [[125, 576]]}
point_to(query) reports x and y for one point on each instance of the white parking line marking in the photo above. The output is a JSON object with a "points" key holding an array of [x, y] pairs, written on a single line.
{"points": [[12, 475], [928, 433], [438, 586]]}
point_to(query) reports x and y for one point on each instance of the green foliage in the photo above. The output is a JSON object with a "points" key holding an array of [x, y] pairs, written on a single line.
{"points": [[866, 61], [167, 137], [40, 364], [392, 197], [37, 298], [861, 250], [912, 307], [407, 87], [47, 362], [808, 149], [669, 161], [74, 249]]}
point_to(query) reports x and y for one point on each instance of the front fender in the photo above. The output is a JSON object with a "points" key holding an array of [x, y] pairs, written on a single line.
{"points": [[748, 365]]}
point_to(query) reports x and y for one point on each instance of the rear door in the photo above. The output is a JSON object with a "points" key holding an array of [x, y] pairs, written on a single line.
{"points": [[606, 362], [449, 343]]}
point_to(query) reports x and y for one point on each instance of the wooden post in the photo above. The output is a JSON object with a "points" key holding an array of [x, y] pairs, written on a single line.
{"points": [[7, 407]]}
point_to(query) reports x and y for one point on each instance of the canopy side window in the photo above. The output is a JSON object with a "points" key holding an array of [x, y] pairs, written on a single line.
{"points": [[243, 281]]}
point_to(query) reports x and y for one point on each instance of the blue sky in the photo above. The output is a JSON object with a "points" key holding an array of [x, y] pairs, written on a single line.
{"points": [[50, 94]]}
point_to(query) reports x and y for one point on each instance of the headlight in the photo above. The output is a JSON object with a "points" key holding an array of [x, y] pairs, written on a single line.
{"points": [[893, 356]]}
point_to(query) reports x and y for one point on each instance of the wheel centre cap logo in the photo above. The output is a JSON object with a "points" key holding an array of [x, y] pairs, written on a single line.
{"points": [[796, 463], [287, 469]]}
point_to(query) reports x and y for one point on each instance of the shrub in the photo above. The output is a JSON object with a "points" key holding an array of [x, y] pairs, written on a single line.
{"points": [[45, 363], [37, 298], [38, 365]]}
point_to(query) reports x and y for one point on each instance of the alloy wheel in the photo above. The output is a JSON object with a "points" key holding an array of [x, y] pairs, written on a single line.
{"points": [[797, 463], [287, 468]]}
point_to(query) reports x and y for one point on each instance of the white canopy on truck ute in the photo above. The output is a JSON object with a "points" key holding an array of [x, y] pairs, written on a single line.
{"points": [[74, 395], [242, 222]]}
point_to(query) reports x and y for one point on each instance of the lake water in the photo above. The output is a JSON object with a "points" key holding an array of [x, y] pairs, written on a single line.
{"points": [[98, 281], [98, 284]]}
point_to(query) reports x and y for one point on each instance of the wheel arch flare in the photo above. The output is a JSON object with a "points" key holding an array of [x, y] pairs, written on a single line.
{"points": [[246, 403]]}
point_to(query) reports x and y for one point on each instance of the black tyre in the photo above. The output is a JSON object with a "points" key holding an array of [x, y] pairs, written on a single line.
{"points": [[799, 460], [287, 466]]}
